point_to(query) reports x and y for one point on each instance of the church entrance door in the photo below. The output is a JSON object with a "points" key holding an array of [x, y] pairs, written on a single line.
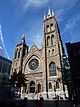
{"points": [[32, 87]]}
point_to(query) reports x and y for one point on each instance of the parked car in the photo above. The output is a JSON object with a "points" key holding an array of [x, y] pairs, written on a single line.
{"points": [[16, 102]]}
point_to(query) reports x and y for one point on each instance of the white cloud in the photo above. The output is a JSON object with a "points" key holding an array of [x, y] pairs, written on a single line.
{"points": [[61, 4], [71, 22], [62, 7], [24, 4], [37, 2], [35, 39], [1, 36]]}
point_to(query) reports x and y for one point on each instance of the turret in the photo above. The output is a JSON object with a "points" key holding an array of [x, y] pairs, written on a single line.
{"points": [[50, 14], [23, 39], [20, 51]]}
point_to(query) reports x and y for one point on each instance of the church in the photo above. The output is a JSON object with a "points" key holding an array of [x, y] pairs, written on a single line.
{"points": [[42, 67]]}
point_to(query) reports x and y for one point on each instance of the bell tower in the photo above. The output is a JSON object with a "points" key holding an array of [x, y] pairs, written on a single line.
{"points": [[54, 48], [20, 51], [52, 34]]}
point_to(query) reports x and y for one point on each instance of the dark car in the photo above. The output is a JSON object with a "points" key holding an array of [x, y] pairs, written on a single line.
{"points": [[15, 102]]}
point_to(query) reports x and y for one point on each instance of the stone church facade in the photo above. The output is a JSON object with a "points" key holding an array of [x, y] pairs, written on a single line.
{"points": [[32, 61]]}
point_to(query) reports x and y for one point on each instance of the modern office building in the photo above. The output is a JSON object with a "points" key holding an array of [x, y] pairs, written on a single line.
{"points": [[5, 67]]}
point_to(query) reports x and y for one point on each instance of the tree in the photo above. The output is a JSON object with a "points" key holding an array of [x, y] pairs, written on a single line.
{"points": [[21, 79], [12, 79], [17, 79]]}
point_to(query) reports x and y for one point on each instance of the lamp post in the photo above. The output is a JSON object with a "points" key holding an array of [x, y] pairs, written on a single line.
{"points": [[46, 66]]}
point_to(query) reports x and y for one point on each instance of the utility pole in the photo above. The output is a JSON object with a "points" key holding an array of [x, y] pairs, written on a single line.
{"points": [[46, 66]]}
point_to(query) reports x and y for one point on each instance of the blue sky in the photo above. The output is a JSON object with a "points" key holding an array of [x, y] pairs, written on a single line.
{"points": [[26, 16]]}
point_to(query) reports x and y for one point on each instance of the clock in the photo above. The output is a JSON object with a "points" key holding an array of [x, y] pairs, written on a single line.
{"points": [[33, 64]]}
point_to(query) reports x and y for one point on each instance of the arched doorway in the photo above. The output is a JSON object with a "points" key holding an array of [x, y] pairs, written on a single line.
{"points": [[39, 87], [32, 87]]}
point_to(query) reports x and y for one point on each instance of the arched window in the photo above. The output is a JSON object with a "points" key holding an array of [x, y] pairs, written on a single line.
{"points": [[52, 69], [52, 40], [49, 53], [57, 84], [48, 41], [52, 51], [51, 27], [32, 87], [48, 28], [16, 54], [19, 53], [50, 85], [0, 66]]}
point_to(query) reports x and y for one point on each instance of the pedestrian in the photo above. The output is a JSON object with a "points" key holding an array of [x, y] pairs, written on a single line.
{"points": [[57, 101], [41, 104], [25, 102]]}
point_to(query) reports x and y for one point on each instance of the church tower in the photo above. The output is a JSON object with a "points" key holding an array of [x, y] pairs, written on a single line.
{"points": [[20, 51], [54, 51]]}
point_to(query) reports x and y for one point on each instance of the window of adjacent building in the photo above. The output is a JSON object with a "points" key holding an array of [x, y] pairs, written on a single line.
{"points": [[50, 85], [52, 69], [57, 84], [52, 40], [48, 41], [4, 78], [48, 28], [3, 70], [79, 52], [9, 69], [52, 27], [0, 66]]}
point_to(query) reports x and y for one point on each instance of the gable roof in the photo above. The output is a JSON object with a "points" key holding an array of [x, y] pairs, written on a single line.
{"points": [[33, 48]]}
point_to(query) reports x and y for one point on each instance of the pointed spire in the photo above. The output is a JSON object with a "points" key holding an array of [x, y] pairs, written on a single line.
{"points": [[52, 12], [44, 17], [23, 39], [49, 13]]}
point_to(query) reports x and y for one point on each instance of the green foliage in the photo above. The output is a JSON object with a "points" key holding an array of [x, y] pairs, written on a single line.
{"points": [[17, 79]]}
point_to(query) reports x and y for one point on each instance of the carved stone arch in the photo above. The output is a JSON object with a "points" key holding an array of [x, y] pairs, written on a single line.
{"points": [[34, 83], [50, 85], [32, 86]]}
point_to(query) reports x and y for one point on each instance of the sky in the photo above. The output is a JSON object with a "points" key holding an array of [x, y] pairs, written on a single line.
{"points": [[18, 17]]}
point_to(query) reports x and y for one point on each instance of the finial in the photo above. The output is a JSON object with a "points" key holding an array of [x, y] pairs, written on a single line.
{"points": [[44, 17], [49, 13], [52, 12], [23, 39]]}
